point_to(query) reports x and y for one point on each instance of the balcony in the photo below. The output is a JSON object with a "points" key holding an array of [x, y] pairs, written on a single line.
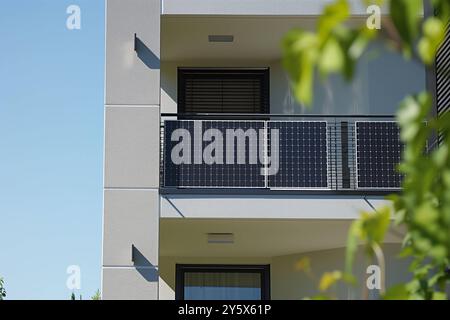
{"points": [[270, 153], [237, 92]]}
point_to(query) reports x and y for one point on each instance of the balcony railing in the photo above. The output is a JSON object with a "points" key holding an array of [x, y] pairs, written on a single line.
{"points": [[274, 152]]}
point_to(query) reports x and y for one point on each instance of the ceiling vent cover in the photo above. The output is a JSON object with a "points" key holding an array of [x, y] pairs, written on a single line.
{"points": [[220, 38], [220, 238]]}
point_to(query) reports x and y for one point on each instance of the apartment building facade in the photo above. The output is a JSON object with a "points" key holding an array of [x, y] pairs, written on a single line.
{"points": [[209, 225]]}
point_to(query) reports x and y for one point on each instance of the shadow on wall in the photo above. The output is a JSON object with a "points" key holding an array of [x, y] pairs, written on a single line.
{"points": [[145, 268], [146, 55]]}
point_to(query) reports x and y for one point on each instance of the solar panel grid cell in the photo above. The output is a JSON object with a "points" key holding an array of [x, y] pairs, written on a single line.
{"points": [[240, 174], [378, 154], [303, 159]]}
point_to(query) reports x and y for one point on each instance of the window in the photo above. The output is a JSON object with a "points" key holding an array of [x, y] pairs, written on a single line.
{"points": [[222, 282], [207, 90]]}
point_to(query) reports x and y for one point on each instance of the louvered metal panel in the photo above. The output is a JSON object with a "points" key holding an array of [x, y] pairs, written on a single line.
{"points": [[223, 90], [443, 76], [443, 81]]}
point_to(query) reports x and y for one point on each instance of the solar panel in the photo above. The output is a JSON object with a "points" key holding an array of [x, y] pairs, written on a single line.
{"points": [[303, 158], [378, 152], [225, 169]]}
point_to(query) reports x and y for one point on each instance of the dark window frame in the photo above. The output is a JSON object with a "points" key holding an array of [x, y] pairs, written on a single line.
{"points": [[263, 270], [184, 73]]}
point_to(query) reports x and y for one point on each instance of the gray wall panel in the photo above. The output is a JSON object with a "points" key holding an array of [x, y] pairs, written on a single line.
{"points": [[130, 284], [132, 77], [131, 218], [132, 147]]}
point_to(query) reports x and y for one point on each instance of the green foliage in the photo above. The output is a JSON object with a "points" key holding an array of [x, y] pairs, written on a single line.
{"points": [[406, 18], [369, 229], [2, 289], [398, 292], [335, 47], [97, 295], [73, 297], [329, 279], [423, 206], [301, 51], [433, 33]]}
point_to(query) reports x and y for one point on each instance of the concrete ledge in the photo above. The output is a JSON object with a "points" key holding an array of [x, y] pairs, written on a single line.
{"points": [[266, 207], [252, 7]]}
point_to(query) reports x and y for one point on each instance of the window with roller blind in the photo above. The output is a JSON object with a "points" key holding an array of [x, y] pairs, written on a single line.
{"points": [[212, 90], [222, 282]]}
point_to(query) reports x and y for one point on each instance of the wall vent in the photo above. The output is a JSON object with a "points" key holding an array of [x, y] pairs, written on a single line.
{"points": [[220, 237], [220, 38]]}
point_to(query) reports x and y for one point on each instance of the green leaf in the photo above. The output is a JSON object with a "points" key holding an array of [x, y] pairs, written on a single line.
{"points": [[426, 215], [300, 57], [329, 279], [406, 252], [405, 15], [349, 279], [304, 264], [439, 253], [352, 245], [375, 225], [332, 57], [433, 34], [440, 156], [333, 15], [398, 292], [439, 296], [360, 43], [442, 9], [320, 297], [412, 111], [409, 111]]}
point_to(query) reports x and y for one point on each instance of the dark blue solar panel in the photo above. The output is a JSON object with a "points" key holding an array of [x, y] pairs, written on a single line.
{"points": [[215, 175], [378, 152], [303, 156]]}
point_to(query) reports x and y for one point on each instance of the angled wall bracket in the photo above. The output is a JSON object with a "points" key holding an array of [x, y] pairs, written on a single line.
{"points": [[132, 253]]}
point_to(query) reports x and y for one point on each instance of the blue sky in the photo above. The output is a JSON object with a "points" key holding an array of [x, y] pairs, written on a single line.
{"points": [[51, 141]]}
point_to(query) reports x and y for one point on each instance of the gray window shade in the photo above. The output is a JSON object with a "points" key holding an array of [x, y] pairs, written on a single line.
{"points": [[223, 90], [222, 286]]}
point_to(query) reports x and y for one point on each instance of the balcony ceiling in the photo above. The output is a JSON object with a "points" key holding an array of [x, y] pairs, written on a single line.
{"points": [[254, 238], [185, 38]]}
